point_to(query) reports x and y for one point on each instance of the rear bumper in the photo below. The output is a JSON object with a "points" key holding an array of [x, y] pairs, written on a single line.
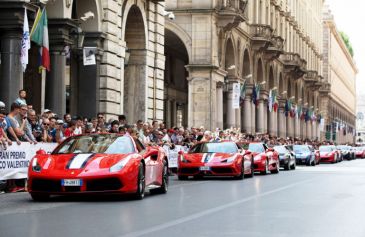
{"points": [[328, 159]]}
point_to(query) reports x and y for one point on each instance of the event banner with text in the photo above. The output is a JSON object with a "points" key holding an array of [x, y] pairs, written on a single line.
{"points": [[14, 161]]}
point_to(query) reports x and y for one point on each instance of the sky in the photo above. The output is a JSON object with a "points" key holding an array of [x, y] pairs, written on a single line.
{"points": [[349, 16]]}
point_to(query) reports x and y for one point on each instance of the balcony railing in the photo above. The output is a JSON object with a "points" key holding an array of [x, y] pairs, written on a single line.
{"points": [[261, 31]]}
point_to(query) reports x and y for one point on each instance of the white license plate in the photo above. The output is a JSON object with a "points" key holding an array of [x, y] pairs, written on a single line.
{"points": [[71, 182], [204, 168]]}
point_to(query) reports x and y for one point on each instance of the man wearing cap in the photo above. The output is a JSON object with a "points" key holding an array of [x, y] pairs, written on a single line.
{"points": [[60, 136]]}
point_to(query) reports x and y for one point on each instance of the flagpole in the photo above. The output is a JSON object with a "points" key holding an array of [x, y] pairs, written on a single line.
{"points": [[43, 88]]}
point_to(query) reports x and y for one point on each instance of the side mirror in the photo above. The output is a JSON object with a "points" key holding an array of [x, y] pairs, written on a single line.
{"points": [[41, 152]]}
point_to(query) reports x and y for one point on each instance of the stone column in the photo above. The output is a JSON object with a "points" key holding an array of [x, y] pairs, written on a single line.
{"points": [[168, 114], [85, 82], [309, 129], [238, 118], [297, 126], [11, 79], [290, 126], [314, 129], [260, 116], [55, 82], [59, 38], [231, 112], [174, 113], [273, 124], [246, 115], [253, 118], [281, 119], [219, 106]]}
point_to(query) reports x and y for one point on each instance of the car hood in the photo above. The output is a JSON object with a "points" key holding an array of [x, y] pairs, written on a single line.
{"points": [[209, 157], [79, 161]]}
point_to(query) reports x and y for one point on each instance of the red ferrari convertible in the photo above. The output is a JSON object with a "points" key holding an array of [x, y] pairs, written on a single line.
{"points": [[215, 159], [266, 159], [98, 163]]}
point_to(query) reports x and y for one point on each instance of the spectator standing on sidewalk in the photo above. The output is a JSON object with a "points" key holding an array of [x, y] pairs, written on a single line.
{"points": [[46, 134], [34, 124], [21, 99], [4, 140], [18, 129], [22, 117]]}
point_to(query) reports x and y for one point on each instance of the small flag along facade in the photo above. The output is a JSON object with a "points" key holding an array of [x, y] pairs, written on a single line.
{"points": [[39, 35], [25, 42]]}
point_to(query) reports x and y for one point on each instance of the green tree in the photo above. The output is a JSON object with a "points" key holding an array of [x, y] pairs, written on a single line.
{"points": [[346, 39]]}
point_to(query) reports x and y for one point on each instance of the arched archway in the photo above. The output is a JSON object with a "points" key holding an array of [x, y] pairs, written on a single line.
{"points": [[176, 84], [230, 68], [135, 70], [259, 120], [246, 108], [270, 114]]}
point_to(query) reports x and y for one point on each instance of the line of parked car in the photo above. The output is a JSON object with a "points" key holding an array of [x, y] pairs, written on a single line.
{"points": [[116, 164]]}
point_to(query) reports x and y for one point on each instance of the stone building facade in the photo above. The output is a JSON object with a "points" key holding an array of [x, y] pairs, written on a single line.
{"points": [[338, 98], [360, 119], [276, 44], [181, 69], [116, 84]]}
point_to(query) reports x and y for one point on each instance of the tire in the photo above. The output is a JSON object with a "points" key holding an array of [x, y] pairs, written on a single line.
{"points": [[266, 171], [39, 197], [293, 166], [287, 166], [181, 177], [252, 170], [242, 174], [165, 181], [277, 170], [141, 185]]}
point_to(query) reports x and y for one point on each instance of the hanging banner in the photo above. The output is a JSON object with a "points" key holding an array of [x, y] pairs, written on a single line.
{"points": [[236, 91], [14, 161], [89, 56]]}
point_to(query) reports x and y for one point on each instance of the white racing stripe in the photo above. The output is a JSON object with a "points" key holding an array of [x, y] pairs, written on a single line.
{"points": [[78, 160]]}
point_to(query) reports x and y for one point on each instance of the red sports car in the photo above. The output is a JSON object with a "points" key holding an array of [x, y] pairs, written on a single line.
{"points": [[329, 154], [266, 159], [359, 152], [215, 159], [98, 163]]}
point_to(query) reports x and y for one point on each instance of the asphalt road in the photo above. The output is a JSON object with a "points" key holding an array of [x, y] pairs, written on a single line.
{"points": [[326, 200]]}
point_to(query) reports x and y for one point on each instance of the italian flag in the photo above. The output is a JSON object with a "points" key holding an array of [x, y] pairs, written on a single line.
{"points": [[39, 35]]}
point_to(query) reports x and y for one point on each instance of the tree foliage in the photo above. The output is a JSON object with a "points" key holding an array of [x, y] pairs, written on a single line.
{"points": [[346, 39]]}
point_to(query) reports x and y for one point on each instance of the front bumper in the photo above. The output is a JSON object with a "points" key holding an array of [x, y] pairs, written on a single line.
{"points": [[106, 183], [211, 169]]}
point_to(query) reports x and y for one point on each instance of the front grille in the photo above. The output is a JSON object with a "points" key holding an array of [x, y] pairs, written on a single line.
{"points": [[255, 166], [46, 185], [189, 170], [103, 184], [221, 170], [72, 189]]}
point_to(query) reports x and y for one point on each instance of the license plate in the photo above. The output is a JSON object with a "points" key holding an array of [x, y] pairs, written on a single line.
{"points": [[204, 168], [71, 182]]}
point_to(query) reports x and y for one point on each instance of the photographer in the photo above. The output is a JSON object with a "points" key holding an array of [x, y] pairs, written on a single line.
{"points": [[35, 126]]}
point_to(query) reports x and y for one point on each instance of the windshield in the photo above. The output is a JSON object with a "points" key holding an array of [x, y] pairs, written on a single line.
{"points": [[346, 148], [224, 147], [106, 143], [256, 147], [300, 148], [325, 149], [281, 149]]}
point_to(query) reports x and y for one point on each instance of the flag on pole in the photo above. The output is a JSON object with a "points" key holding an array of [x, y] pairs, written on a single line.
{"points": [[275, 101], [40, 36], [25, 42], [243, 93]]}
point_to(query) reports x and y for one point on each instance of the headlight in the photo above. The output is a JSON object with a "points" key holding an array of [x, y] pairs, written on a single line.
{"points": [[231, 159], [183, 159], [118, 166], [35, 166]]}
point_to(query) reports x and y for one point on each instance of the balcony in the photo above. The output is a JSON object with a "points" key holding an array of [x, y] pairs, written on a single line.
{"points": [[261, 36], [311, 77], [231, 13], [293, 64], [275, 49]]}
